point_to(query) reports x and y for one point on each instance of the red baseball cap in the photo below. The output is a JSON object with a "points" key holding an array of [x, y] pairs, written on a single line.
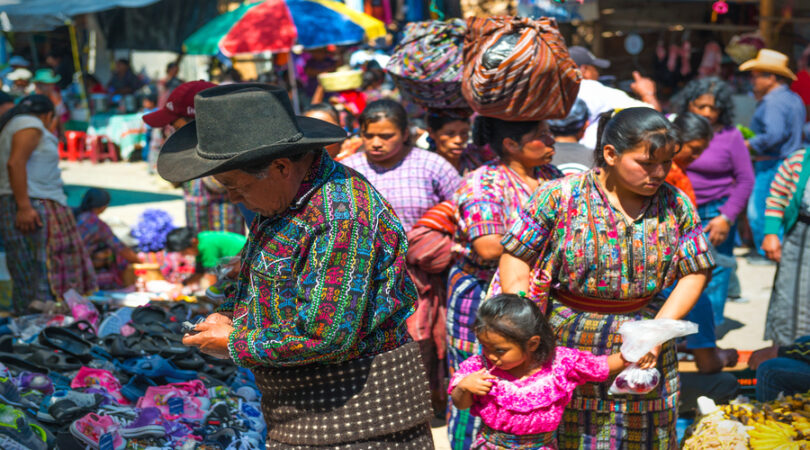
{"points": [[179, 104]]}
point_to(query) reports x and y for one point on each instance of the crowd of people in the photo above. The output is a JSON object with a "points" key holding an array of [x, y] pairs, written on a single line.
{"points": [[503, 255]]}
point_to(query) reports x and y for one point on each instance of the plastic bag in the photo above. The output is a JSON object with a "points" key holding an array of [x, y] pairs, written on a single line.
{"points": [[81, 308], [638, 338]]}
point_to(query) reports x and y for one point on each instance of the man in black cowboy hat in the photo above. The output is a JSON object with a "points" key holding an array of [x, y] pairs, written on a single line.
{"points": [[319, 309]]}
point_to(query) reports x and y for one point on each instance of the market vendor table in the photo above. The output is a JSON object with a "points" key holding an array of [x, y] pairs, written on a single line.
{"points": [[127, 131]]}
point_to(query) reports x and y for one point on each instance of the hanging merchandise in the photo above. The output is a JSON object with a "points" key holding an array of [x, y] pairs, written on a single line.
{"points": [[633, 44], [743, 47], [427, 64], [719, 8], [712, 59], [518, 69]]}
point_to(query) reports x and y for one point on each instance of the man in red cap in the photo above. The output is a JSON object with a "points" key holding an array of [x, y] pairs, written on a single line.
{"points": [[207, 204]]}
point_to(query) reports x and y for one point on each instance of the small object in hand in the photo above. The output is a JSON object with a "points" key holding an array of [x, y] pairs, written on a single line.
{"points": [[189, 327]]}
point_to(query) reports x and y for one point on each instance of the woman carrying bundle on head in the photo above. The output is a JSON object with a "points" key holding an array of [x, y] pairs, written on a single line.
{"points": [[488, 204], [45, 253], [109, 255], [449, 136], [595, 249]]}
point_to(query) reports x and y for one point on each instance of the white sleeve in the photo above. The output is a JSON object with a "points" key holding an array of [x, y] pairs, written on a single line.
{"points": [[600, 98]]}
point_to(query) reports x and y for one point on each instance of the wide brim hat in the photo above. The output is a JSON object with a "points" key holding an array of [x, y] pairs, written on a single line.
{"points": [[19, 74], [237, 126], [769, 61], [46, 76]]}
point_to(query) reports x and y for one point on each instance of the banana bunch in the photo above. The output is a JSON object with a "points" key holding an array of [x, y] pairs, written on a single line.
{"points": [[777, 436]]}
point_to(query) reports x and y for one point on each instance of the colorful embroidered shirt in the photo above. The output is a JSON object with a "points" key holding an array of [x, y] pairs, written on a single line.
{"points": [[534, 404], [596, 252], [783, 188], [488, 203], [417, 183], [96, 234], [324, 282]]}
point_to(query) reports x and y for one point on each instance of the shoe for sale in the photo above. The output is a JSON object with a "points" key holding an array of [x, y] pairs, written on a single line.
{"points": [[10, 394], [136, 387], [114, 322], [148, 424], [221, 439], [35, 381], [66, 406], [91, 428], [160, 397], [99, 378], [17, 433]]}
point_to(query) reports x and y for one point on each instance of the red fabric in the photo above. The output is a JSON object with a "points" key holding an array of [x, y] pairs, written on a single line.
{"points": [[802, 86], [267, 27], [678, 178], [354, 101], [441, 217]]}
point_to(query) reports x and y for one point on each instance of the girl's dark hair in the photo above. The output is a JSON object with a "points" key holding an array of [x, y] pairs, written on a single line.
{"points": [[179, 239], [324, 108], [693, 127], [714, 86], [94, 198], [492, 131], [384, 109], [517, 319], [632, 127], [437, 119], [34, 104]]}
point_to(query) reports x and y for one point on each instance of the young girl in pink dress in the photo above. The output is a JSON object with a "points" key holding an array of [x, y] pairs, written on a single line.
{"points": [[522, 382]]}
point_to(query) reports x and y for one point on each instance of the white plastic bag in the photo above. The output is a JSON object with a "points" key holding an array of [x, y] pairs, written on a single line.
{"points": [[638, 338]]}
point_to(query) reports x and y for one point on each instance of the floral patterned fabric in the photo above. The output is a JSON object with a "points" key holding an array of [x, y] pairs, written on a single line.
{"points": [[325, 281], [488, 203], [533, 404], [596, 252]]}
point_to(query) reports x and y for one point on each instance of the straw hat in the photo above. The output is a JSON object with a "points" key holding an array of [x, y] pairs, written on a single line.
{"points": [[769, 61], [19, 74]]}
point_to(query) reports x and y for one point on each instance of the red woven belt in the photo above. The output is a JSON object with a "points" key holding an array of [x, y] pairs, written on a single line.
{"points": [[600, 305]]}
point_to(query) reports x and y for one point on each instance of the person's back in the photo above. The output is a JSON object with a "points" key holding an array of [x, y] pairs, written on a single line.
{"points": [[44, 176], [778, 122]]}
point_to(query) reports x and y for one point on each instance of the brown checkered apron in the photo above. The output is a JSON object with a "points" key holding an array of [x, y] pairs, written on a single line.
{"points": [[381, 401]]}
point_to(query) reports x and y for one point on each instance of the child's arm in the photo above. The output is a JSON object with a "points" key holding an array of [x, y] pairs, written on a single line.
{"points": [[616, 363], [475, 383]]}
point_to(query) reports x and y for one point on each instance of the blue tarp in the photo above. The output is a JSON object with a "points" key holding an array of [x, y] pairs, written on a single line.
{"points": [[44, 15]]}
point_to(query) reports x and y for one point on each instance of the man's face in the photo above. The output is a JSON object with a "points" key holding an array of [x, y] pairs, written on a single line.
{"points": [[268, 196], [589, 72], [762, 82]]}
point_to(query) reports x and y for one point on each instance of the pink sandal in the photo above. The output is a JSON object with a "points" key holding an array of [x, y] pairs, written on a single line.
{"points": [[90, 428]]}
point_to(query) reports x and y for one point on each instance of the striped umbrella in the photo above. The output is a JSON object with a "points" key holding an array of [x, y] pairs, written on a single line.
{"points": [[277, 25]]}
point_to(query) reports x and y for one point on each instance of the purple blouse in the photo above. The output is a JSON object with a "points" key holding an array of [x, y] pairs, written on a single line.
{"points": [[419, 182], [724, 170]]}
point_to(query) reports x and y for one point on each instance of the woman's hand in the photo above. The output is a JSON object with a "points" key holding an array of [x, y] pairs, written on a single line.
{"points": [[477, 383], [772, 247], [27, 219], [718, 229], [649, 360]]}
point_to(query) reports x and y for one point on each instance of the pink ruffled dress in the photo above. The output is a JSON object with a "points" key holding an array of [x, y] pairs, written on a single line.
{"points": [[524, 413]]}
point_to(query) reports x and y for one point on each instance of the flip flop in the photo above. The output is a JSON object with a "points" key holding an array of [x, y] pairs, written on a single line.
{"points": [[155, 366], [83, 329], [59, 362], [189, 361], [62, 339], [149, 319], [122, 347], [16, 364]]}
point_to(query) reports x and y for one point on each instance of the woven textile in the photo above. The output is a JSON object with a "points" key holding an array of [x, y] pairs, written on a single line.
{"points": [[69, 264], [26, 255], [518, 69], [596, 420], [416, 438], [99, 238], [349, 402], [209, 210], [325, 281], [462, 426], [427, 64], [489, 439]]}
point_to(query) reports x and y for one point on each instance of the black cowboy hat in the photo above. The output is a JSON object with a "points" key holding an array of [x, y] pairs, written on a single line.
{"points": [[237, 125]]}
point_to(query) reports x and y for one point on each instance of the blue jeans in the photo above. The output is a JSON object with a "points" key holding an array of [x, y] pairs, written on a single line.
{"points": [[764, 172], [717, 288], [786, 375]]}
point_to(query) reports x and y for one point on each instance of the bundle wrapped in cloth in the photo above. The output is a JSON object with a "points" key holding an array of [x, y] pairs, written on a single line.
{"points": [[427, 64], [518, 69]]}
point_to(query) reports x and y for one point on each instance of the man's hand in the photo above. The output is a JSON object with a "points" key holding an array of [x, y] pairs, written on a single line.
{"points": [[642, 86], [718, 229], [762, 355], [728, 356], [211, 338], [27, 220], [772, 247], [477, 383], [218, 318]]}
